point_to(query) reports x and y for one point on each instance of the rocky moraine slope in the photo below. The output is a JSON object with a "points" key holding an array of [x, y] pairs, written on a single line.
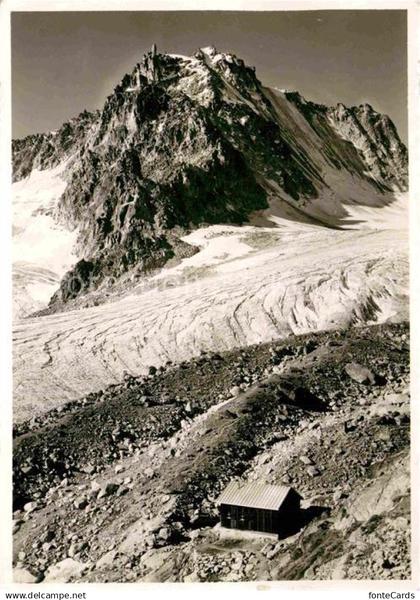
{"points": [[183, 141], [121, 485]]}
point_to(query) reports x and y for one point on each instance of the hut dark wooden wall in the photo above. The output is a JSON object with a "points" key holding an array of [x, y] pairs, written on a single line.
{"points": [[259, 519], [251, 519]]}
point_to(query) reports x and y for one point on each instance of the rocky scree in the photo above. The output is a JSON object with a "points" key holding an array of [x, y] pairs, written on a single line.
{"points": [[140, 496]]}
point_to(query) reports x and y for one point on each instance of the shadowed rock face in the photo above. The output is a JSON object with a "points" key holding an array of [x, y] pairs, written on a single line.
{"points": [[377, 140], [368, 141], [183, 141], [46, 150]]}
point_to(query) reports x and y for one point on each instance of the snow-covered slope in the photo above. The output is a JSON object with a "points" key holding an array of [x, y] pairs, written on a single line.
{"points": [[301, 280], [42, 249]]}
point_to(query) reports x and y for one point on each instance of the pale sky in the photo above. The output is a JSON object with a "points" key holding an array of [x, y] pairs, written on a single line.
{"points": [[65, 62]]}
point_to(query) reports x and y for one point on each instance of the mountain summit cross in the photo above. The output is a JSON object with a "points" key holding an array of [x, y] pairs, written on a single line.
{"points": [[155, 68]]}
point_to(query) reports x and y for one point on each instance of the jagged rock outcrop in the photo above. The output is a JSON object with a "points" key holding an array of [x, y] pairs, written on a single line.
{"points": [[183, 141], [376, 137], [373, 147], [46, 150]]}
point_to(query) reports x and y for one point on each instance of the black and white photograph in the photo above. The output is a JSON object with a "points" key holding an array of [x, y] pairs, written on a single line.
{"points": [[210, 310]]}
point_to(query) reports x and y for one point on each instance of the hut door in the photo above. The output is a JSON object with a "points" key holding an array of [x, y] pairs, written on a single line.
{"points": [[251, 519], [234, 518], [242, 518]]}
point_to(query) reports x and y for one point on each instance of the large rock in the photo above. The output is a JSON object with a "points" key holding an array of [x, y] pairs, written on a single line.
{"points": [[24, 576], [30, 507], [81, 502], [359, 373], [108, 489], [313, 471], [107, 560], [378, 496]]}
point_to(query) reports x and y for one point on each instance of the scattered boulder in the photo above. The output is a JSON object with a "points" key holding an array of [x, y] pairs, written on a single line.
{"points": [[47, 536], [394, 398], [313, 471], [274, 551], [235, 391], [81, 502], [387, 564], [191, 578], [108, 489], [16, 523], [359, 373], [164, 534], [400, 523], [30, 507], [25, 576], [89, 469], [75, 548], [349, 426], [149, 541], [95, 487], [106, 560], [339, 495]]}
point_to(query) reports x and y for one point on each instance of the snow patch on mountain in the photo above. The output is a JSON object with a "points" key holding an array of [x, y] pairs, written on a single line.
{"points": [[392, 216], [218, 244]]}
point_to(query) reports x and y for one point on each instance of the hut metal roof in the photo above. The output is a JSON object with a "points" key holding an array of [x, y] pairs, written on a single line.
{"points": [[254, 495]]}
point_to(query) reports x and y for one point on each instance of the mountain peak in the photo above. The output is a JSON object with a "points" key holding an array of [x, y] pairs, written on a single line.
{"points": [[209, 50], [189, 140]]}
